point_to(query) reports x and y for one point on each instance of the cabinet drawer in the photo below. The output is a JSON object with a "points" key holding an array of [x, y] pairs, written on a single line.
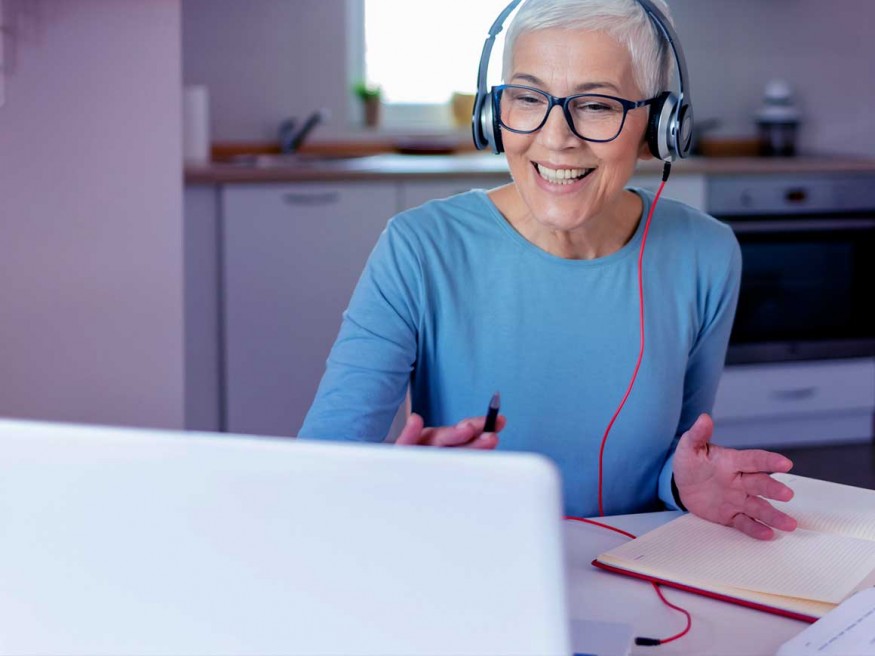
{"points": [[795, 389]]}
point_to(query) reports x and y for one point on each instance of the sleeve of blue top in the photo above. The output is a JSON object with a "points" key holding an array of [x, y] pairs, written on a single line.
{"points": [[369, 366], [706, 359]]}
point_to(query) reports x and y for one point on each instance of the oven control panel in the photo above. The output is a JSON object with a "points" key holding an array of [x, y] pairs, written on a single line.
{"points": [[790, 194]]}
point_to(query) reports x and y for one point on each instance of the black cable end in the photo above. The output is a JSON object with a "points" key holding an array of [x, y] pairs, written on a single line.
{"points": [[647, 642], [666, 171]]}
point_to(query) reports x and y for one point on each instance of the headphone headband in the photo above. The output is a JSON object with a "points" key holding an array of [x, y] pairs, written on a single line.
{"points": [[669, 132], [482, 132]]}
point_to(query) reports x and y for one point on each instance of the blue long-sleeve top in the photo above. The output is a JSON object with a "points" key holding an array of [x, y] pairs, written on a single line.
{"points": [[458, 304]]}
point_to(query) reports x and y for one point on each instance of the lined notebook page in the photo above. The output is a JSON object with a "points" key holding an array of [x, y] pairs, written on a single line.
{"points": [[829, 507], [806, 564]]}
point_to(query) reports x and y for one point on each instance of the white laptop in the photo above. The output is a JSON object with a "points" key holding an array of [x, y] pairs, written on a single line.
{"points": [[123, 541]]}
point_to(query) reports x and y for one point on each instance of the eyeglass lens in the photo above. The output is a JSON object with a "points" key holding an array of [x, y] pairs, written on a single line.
{"points": [[594, 117]]}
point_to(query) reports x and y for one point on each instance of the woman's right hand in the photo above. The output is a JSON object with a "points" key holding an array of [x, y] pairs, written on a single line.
{"points": [[467, 433]]}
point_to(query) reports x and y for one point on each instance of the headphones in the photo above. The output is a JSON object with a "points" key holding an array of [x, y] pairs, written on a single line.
{"points": [[669, 130]]}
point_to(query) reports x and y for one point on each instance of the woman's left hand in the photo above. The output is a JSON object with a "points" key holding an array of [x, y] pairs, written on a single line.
{"points": [[728, 486]]}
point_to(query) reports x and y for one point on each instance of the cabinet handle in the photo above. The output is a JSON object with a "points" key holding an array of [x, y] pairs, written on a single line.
{"points": [[801, 225], [794, 394], [310, 199]]}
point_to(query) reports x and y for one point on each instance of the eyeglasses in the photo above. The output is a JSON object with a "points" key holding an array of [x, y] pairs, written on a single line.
{"points": [[591, 116]]}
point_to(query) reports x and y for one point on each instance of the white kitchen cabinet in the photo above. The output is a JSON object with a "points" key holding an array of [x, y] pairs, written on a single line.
{"points": [[413, 194], [291, 256], [795, 403]]}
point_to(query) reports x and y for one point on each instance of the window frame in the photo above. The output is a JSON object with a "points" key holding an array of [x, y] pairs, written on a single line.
{"points": [[399, 118]]}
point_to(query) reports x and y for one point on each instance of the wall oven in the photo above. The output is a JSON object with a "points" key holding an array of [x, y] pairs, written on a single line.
{"points": [[808, 277]]}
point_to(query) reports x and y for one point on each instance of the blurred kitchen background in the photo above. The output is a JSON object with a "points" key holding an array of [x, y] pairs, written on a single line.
{"points": [[178, 240], [265, 60]]}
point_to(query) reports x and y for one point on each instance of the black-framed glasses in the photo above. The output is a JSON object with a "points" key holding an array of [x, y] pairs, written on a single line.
{"points": [[591, 116]]}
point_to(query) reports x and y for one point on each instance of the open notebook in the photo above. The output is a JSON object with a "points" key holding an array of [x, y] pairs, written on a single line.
{"points": [[124, 541], [802, 574]]}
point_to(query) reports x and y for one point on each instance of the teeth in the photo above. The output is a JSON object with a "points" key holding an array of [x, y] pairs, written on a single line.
{"points": [[561, 176]]}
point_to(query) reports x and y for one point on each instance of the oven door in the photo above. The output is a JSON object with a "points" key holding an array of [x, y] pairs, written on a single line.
{"points": [[806, 288]]}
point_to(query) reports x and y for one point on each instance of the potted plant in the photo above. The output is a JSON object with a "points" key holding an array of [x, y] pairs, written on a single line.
{"points": [[370, 95]]}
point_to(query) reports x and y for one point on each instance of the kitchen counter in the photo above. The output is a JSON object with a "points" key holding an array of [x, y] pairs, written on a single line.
{"points": [[279, 168]]}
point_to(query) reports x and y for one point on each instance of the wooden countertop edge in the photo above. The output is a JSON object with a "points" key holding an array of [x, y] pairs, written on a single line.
{"points": [[211, 176], [220, 173]]}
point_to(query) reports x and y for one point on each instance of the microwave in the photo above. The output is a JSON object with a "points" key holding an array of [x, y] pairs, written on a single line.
{"points": [[808, 264]]}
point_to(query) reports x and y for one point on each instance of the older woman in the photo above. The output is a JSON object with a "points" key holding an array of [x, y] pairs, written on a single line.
{"points": [[532, 289]]}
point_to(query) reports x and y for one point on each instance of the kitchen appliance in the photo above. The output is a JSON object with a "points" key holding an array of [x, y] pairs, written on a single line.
{"points": [[777, 121], [808, 273]]}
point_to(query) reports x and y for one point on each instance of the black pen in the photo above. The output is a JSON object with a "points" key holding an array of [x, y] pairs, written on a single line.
{"points": [[492, 413]]}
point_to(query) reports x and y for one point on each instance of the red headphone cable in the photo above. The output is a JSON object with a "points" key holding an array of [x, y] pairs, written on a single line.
{"points": [[666, 170], [640, 640]]}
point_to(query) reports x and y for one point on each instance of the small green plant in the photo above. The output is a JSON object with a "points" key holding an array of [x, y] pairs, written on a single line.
{"points": [[367, 91]]}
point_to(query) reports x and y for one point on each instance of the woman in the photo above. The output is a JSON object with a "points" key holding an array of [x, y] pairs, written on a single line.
{"points": [[532, 289]]}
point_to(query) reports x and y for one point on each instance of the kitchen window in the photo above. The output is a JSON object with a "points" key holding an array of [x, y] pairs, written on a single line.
{"points": [[420, 53]]}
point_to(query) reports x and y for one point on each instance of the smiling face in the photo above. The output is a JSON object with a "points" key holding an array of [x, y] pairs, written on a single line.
{"points": [[570, 191]]}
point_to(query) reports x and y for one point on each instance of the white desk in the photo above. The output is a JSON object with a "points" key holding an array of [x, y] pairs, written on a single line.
{"points": [[718, 627]]}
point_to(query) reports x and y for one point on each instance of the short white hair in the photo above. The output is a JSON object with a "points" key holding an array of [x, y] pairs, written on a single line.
{"points": [[624, 20]]}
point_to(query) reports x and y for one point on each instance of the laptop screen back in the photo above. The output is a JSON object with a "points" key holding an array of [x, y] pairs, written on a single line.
{"points": [[159, 542]]}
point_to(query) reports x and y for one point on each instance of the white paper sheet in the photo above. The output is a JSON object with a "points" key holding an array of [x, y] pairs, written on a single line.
{"points": [[847, 630]]}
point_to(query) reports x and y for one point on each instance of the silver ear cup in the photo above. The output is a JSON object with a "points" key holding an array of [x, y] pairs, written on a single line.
{"points": [[483, 125], [667, 130], [488, 126], [480, 141]]}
